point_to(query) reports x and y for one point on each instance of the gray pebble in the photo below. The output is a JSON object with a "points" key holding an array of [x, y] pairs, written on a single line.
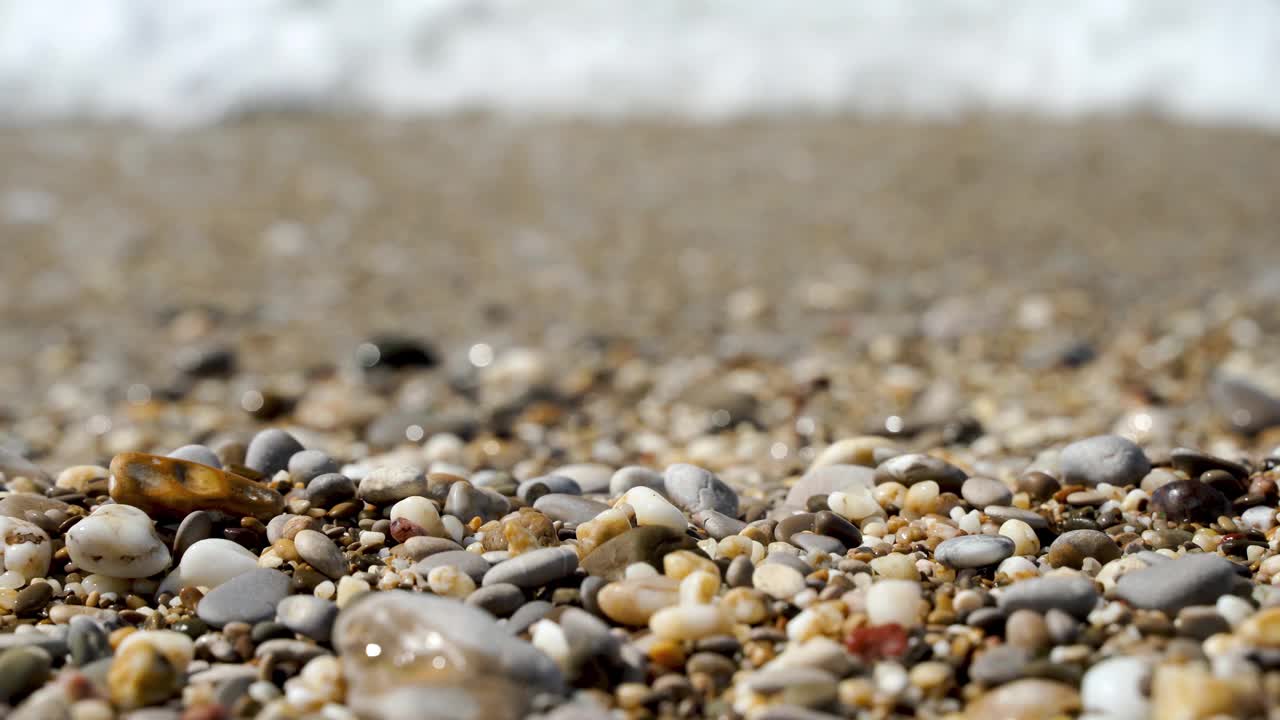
{"points": [[635, 476], [423, 546], [1070, 549], [308, 615], [22, 670], [321, 553], [55, 642], [275, 526], [86, 640], [1198, 579], [1199, 622], [1000, 513], [269, 451], [468, 562], [499, 599], [792, 524], [387, 484], [572, 510], [309, 464], [196, 526], [466, 501], [589, 590], [197, 454], [915, 468], [1243, 406], [974, 551], [830, 524], [999, 665], [533, 488], [495, 480], [250, 597], [1102, 459], [535, 568], [718, 525], [740, 571], [1063, 628], [692, 488], [828, 479], [526, 616], [1074, 595], [14, 466], [980, 492], [789, 560], [329, 489], [819, 543]]}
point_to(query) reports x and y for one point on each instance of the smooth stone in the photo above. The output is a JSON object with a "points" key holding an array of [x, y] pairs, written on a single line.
{"points": [[828, 479], [777, 580], [176, 647], [321, 553], [1195, 463], [45, 513], [139, 676], [13, 466], [592, 478], [1003, 513], [390, 483], [26, 550], [423, 546], [55, 643], [1243, 406], [250, 597], [693, 488], [635, 476], [392, 642], [799, 686], [643, 544], [118, 541], [307, 465], [913, 468], [168, 488], [1113, 689], [894, 601], [653, 510], [466, 501], [572, 510], [1198, 579], [1107, 459], [213, 561], [1072, 548], [84, 479], [999, 665], [307, 615], [546, 484], [1200, 622], [1074, 595], [739, 572], [791, 561], [498, 599], [270, 450], [534, 568], [792, 524], [690, 622], [22, 670], [468, 562], [86, 640], [980, 492], [196, 526], [527, 615], [717, 524], [329, 489], [812, 542], [974, 551], [1261, 518], [197, 454], [851, 451], [1189, 501], [832, 525], [1026, 699]]}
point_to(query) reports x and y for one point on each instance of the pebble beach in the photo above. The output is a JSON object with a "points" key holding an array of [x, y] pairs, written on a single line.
{"points": [[772, 419]]}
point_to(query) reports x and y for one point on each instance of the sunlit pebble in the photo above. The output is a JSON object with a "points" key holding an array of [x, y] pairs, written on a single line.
{"points": [[138, 394], [806, 426], [252, 401], [893, 424], [368, 355], [1142, 422], [414, 433], [492, 447], [373, 650], [720, 418], [480, 355], [98, 425], [778, 451]]}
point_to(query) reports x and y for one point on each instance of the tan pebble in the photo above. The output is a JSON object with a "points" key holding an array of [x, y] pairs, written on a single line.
{"points": [[600, 529], [348, 588], [118, 635], [295, 525], [1191, 692], [449, 581], [1027, 699], [745, 605], [285, 550], [896, 566], [92, 709], [1262, 629], [851, 451], [667, 653], [698, 588], [140, 676], [856, 692], [62, 614], [777, 580], [933, 677], [1024, 538], [689, 622], [1027, 629], [890, 495], [922, 498], [680, 563], [176, 647], [632, 696], [166, 487], [86, 479], [634, 601]]}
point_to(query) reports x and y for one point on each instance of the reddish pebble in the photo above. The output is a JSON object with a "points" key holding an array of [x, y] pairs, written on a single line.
{"points": [[402, 529], [878, 642]]}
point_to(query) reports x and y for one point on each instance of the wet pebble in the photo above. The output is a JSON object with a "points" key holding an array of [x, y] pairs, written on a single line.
{"points": [[168, 488]]}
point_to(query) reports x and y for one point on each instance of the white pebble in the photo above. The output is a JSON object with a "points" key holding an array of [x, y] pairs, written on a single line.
{"points": [[639, 570], [455, 528], [421, 512], [689, 622], [856, 504], [894, 601], [698, 588], [211, 562], [653, 509], [26, 550], [1024, 538], [119, 541], [1113, 689], [777, 580], [550, 639], [1259, 518], [449, 581]]}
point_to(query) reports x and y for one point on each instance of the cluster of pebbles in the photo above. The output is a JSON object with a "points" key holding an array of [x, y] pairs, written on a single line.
{"points": [[473, 573]]}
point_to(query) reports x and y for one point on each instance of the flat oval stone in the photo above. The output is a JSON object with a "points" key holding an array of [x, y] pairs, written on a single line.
{"points": [[468, 562], [832, 525], [498, 599], [466, 501], [974, 551], [1026, 699], [321, 553], [22, 670], [818, 543], [1073, 595], [388, 484], [309, 464], [393, 643], [308, 615], [534, 568], [196, 526], [1107, 459], [169, 488], [329, 489], [269, 451], [1169, 586], [647, 544], [915, 468], [423, 546], [572, 510], [635, 476], [828, 479], [692, 488], [1071, 548], [983, 491], [718, 525], [38, 510], [547, 484], [251, 597], [213, 561], [634, 600], [197, 454], [118, 541]]}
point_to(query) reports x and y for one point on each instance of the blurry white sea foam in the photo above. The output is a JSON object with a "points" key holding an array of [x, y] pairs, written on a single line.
{"points": [[196, 61]]}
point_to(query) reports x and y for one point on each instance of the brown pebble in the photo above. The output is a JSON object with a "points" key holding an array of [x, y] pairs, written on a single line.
{"points": [[165, 487], [32, 598]]}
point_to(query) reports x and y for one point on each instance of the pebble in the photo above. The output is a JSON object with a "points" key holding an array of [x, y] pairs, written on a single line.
{"points": [[321, 553], [1243, 405], [973, 551], [498, 599], [393, 642], [534, 569], [1073, 595], [1189, 501], [250, 597], [197, 454], [176, 647], [1000, 664], [465, 501], [718, 525], [168, 488], [894, 601], [1027, 699], [653, 510], [422, 513], [1072, 548], [778, 581], [211, 562], [571, 510], [1002, 514], [14, 467], [592, 478], [22, 670], [32, 598], [983, 491], [832, 525], [329, 489], [26, 550], [1024, 538], [270, 450], [851, 451], [913, 468], [141, 675], [196, 526], [1108, 459], [693, 488], [84, 479], [799, 687], [307, 615], [533, 488], [118, 541], [827, 479], [387, 484], [1197, 579], [468, 562], [307, 465], [689, 622], [633, 476]]}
